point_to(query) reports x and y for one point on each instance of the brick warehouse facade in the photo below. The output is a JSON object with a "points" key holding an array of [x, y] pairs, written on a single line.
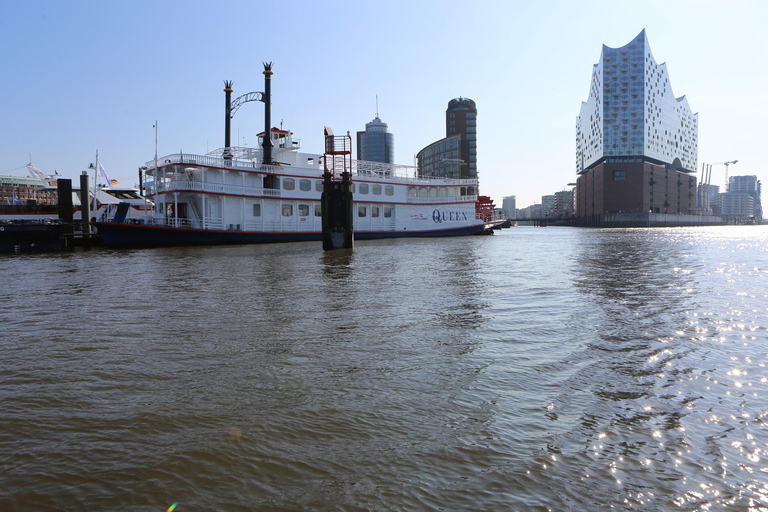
{"points": [[634, 187]]}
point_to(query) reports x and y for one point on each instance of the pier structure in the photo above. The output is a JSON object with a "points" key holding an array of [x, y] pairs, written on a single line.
{"points": [[336, 200]]}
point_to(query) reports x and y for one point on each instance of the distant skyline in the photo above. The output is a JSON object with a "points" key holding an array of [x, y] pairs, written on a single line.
{"points": [[86, 76]]}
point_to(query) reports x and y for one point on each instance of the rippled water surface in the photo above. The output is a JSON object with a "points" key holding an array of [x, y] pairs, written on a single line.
{"points": [[537, 369]]}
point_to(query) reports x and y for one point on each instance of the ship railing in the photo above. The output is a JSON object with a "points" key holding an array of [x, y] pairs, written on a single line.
{"points": [[215, 188], [170, 222], [411, 177], [360, 168], [214, 223], [213, 161], [495, 217], [442, 199]]}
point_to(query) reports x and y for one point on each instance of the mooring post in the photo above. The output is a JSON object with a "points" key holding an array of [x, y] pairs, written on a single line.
{"points": [[85, 205], [64, 195], [66, 210], [336, 201], [337, 212]]}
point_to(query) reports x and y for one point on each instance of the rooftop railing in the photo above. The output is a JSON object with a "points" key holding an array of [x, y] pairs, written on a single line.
{"points": [[361, 169]]}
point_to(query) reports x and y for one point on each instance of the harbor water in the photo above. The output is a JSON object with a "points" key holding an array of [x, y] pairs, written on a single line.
{"points": [[536, 369]]}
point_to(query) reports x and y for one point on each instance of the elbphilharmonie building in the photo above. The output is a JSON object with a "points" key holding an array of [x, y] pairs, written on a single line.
{"points": [[636, 143]]}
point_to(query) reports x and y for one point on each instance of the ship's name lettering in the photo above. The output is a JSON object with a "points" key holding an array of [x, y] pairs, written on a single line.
{"points": [[439, 216]]}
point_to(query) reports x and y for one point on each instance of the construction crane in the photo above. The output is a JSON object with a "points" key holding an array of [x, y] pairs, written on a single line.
{"points": [[706, 179], [726, 164]]}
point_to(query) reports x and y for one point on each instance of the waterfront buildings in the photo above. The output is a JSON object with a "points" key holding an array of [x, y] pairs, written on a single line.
{"points": [[509, 207], [563, 207], [547, 205], [530, 212], [455, 156], [735, 206], [742, 201], [20, 190], [376, 144], [441, 158], [636, 143]]}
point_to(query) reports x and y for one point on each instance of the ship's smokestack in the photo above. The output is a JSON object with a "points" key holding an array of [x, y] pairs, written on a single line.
{"points": [[267, 144], [227, 116]]}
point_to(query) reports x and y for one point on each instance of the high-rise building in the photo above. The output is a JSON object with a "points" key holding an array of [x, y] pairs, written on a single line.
{"points": [[461, 119], [563, 207], [456, 155], [739, 206], [376, 144], [508, 205], [547, 203], [636, 143]]}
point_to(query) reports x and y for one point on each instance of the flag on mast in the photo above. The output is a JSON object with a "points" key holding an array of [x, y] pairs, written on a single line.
{"points": [[37, 173], [105, 175]]}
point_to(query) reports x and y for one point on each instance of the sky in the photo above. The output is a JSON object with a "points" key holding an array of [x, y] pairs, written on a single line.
{"points": [[87, 76]]}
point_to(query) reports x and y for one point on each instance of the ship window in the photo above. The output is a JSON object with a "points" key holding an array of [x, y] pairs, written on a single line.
{"points": [[363, 189], [305, 185], [376, 189], [303, 210], [387, 211], [389, 190], [374, 211], [289, 184], [287, 210], [361, 211], [318, 210], [413, 192], [257, 210], [319, 186]]}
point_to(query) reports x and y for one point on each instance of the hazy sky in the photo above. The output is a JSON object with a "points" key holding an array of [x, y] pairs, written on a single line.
{"points": [[81, 76]]}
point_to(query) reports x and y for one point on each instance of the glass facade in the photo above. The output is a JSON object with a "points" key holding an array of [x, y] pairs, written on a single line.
{"points": [[376, 144], [632, 112], [455, 156], [441, 158]]}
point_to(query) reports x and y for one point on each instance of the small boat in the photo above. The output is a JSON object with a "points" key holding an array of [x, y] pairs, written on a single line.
{"points": [[272, 193], [23, 236]]}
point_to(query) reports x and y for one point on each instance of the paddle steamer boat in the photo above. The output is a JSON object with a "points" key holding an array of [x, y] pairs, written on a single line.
{"points": [[273, 194]]}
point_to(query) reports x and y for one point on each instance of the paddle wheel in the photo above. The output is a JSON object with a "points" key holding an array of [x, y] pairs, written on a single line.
{"points": [[484, 208]]}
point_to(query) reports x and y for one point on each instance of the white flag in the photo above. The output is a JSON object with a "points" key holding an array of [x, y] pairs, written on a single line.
{"points": [[104, 174], [36, 173]]}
